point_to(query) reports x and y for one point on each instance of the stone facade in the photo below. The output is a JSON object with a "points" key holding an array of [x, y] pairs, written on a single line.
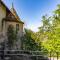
{"points": [[9, 17], [2, 15]]}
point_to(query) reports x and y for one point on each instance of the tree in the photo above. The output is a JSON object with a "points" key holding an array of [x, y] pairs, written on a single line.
{"points": [[29, 42], [51, 35], [57, 11], [11, 34]]}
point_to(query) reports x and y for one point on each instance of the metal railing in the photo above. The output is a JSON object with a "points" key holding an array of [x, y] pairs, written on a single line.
{"points": [[28, 55]]}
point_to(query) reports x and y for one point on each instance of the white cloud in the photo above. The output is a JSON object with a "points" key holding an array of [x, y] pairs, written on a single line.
{"points": [[34, 27]]}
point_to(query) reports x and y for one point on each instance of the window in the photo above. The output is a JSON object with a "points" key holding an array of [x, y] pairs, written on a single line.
{"points": [[17, 27]]}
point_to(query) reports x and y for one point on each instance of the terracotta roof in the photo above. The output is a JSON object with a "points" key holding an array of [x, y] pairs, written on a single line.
{"points": [[10, 19]]}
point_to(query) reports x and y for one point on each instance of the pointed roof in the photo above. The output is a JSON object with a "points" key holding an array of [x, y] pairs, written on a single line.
{"points": [[15, 13], [11, 13]]}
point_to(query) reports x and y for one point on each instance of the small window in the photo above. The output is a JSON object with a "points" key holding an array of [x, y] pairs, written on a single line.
{"points": [[17, 27]]}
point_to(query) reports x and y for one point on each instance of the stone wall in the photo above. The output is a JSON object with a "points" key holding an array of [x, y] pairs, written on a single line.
{"points": [[2, 15]]}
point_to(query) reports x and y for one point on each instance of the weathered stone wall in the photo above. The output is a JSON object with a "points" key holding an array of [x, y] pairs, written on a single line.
{"points": [[6, 24], [2, 15], [20, 32]]}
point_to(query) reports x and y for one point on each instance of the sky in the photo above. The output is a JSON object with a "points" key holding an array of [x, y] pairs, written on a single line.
{"points": [[31, 11]]}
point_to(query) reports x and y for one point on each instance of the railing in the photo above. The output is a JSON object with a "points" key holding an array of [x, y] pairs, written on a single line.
{"points": [[28, 55]]}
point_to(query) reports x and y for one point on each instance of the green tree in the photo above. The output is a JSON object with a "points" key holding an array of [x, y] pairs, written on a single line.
{"points": [[11, 34], [57, 11], [29, 42], [51, 36]]}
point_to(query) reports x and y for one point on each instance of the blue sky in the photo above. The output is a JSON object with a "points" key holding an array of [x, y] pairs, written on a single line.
{"points": [[31, 11]]}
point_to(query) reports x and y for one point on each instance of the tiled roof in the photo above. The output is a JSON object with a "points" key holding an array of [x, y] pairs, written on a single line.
{"points": [[12, 20], [15, 19]]}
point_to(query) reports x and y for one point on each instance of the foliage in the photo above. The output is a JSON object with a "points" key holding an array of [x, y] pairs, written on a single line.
{"points": [[48, 36], [11, 34], [29, 42], [50, 32], [46, 39]]}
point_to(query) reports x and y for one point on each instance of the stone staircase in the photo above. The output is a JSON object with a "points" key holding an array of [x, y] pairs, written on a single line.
{"points": [[3, 38]]}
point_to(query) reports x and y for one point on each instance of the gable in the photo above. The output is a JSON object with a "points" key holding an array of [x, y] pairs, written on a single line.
{"points": [[10, 15]]}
